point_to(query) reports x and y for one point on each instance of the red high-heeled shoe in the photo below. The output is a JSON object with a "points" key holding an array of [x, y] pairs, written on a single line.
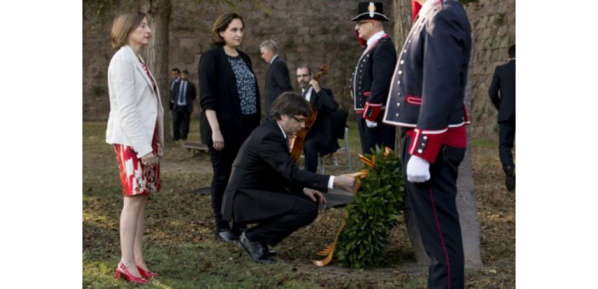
{"points": [[121, 269], [147, 274]]}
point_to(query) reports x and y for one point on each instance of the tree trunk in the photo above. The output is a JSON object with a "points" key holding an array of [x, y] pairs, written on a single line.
{"points": [[468, 218], [468, 212], [157, 53]]}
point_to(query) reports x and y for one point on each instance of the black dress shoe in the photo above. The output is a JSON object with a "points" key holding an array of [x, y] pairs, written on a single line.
{"points": [[510, 183], [270, 253], [226, 235], [256, 250]]}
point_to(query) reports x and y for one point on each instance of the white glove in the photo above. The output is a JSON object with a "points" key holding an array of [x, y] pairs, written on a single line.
{"points": [[418, 170], [371, 124]]}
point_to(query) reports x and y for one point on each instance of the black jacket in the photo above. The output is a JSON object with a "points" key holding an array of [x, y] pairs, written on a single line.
{"points": [[218, 91], [264, 174], [502, 91], [321, 128], [277, 81], [371, 78], [428, 86], [190, 95]]}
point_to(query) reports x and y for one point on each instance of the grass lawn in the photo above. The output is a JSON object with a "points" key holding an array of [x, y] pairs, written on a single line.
{"points": [[180, 245]]}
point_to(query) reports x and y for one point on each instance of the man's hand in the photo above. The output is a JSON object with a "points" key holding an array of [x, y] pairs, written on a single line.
{"points": [[314, 195], [371, 124], [418, 170], [315, 84], [344, 182]]}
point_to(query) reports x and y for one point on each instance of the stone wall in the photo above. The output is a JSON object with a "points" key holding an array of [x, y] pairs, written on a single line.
{"points": [[493, 24], [315, 32]]}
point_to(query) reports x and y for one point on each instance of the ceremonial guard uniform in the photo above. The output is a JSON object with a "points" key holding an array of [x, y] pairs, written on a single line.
{"points": [[371, 82], [426, 100]]}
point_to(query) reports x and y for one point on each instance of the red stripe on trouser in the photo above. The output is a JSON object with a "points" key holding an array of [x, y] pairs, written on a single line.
{"points": [[448, 263]]}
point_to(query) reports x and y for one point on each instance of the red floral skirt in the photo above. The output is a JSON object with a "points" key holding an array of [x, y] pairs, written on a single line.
{"points": [[137, 178]]}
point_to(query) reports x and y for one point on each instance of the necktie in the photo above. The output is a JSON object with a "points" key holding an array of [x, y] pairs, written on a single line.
{"points": [[182, 92]]}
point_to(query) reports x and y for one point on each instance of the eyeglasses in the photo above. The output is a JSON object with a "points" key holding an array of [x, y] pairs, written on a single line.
{"points": [[299, 119]]}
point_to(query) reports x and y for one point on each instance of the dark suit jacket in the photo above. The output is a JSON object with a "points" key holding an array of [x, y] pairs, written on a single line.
{"points": [[321, 128], [190, 95], [264, 177], [173, 83], [218, 91], [502, 91], [277, 81]]}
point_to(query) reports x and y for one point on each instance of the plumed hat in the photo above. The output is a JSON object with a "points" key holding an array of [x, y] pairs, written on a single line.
{"points": [[370, 10]]}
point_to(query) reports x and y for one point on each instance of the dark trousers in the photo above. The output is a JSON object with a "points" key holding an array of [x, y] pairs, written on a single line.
{"points": [[382, 136], [180, 119], [275, 229], [312, 147], [437, 218], [222, 163], [506, 133]]}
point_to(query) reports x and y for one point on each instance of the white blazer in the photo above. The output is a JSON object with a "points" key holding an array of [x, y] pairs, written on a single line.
{"points": [[135, 108]]}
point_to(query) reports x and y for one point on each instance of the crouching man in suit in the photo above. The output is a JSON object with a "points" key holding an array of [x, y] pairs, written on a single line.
{"points": [[266, 186]]}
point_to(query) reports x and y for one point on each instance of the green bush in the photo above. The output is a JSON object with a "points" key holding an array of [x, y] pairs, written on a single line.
{"points": [[373, 212]]}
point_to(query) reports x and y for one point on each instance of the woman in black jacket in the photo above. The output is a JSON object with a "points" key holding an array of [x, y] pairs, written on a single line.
{"points": [[230, 102]]}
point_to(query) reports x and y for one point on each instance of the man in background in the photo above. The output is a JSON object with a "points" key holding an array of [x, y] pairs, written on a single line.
{"points": [[278, 79], [371, 79], [182, 106], [319, 137], [502, 94]]}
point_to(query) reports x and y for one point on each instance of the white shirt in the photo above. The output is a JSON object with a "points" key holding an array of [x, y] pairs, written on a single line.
{"points": [[308, 93], [375, 37]]}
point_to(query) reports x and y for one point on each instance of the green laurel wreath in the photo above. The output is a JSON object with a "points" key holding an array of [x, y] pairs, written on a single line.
{"points": [[373, 211]]}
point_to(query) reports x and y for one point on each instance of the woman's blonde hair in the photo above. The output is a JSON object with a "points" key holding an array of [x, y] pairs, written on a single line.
{"points": [[123, 25]]}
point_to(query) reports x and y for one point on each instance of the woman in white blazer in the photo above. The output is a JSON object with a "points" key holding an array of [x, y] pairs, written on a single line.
{"points": [[135, 128]]}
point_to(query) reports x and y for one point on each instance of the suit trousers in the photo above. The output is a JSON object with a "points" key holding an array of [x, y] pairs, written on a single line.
{"points": [[181, 117], [312, 147], [506, 134], [435, 209], [275, 229], [222, 163], [382, 136]]}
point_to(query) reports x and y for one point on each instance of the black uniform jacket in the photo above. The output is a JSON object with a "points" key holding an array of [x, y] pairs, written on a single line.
{"points": [[264, 177], [504, 80], [428, 86], [371, 78]]}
